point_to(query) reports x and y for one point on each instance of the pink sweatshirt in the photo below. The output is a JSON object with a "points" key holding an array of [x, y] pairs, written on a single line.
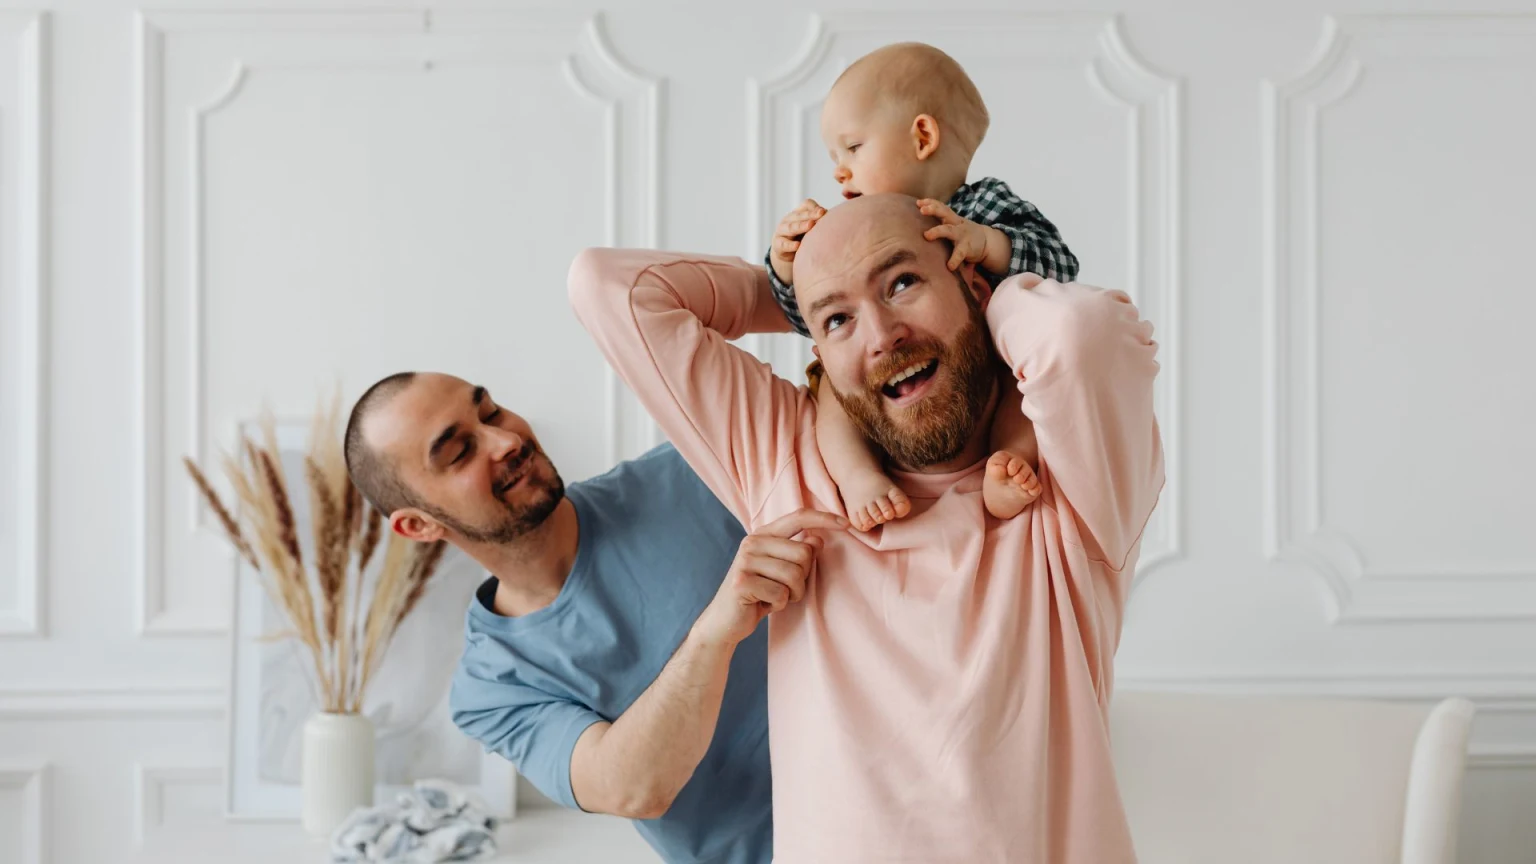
{"points": [[941, 693]]}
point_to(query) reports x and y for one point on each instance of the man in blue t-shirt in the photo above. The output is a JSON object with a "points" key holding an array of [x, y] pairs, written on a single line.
{"points": [[615, 655]]}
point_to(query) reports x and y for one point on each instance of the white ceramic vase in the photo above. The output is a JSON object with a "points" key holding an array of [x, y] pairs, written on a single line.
{"points": [[337, 770]]}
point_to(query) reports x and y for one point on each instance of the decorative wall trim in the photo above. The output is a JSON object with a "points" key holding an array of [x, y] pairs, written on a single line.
{"points": [[1496, 697], [150, 783], [97, 702], [786, 352], [1295, 529], [26, 362], [631, 103], [33, 780], [1513, 759], [1512, 692], [780, 107], [631, 431]]}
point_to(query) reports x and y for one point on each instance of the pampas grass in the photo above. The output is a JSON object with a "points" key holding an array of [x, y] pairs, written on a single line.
{"points": [[323, 602]]}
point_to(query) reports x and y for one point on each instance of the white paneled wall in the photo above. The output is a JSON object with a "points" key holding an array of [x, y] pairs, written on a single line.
{"points": [[1325, 209], [22, 67]]}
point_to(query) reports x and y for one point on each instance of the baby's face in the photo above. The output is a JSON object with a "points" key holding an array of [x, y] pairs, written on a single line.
{"points": [[872, 148]]}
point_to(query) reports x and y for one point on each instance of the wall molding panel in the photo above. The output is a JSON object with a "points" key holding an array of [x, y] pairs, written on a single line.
{"points": [[1295, 528], [173, 415], [111, 702], [32, 780], [150, 785], [24, 336]]}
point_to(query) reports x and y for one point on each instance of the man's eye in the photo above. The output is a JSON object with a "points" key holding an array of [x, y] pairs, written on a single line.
{"points": [[833, 322], [493, 416], [905, 280], [463, 454]]}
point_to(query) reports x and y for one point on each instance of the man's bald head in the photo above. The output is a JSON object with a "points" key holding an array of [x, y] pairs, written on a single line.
{"points": [[868, 222]]}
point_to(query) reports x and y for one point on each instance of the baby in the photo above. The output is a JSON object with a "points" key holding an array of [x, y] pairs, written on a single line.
{"points": [[906, 118]]}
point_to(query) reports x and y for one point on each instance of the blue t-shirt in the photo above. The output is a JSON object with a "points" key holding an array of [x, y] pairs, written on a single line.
{"points": [[655, 545]]}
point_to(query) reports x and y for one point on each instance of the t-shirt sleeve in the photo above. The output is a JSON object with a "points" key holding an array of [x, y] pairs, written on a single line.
{"points": [[535, 731]]}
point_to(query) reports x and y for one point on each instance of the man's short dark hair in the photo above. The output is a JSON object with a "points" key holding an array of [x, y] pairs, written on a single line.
{"points": [[372, 472]]}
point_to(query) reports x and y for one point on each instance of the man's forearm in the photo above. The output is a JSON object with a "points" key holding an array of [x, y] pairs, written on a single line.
{"points": [[636, 766], [767, 316]]}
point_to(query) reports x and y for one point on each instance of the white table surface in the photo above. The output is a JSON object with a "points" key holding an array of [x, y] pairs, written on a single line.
{"points": [[544, 835]]}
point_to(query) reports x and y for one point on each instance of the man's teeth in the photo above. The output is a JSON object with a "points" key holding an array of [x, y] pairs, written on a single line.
{"points": [[907, 373]]}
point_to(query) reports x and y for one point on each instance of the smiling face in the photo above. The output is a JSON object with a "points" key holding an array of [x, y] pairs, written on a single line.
{"points": [[903, 340], [475, 471]]}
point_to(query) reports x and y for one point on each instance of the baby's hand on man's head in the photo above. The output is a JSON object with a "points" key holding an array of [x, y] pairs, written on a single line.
{"points": [[968, 239], [786, 238]]}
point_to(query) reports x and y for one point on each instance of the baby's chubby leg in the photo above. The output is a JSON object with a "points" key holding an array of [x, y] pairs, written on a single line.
{"points": [[870, 497], [1010, 484]]}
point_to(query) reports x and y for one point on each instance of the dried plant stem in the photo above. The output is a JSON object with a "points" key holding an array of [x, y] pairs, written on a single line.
{"points": [[387, 595], [345, 638], [231, 528], [290, 568], [328, 533], [421, 572], [370, 538]]}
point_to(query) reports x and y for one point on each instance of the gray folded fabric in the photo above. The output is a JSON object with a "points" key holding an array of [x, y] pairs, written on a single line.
{"points": [[434, 821]]}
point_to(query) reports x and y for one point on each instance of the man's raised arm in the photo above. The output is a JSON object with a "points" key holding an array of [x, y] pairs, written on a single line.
{"points": [[1085, 363], [663, 320]]}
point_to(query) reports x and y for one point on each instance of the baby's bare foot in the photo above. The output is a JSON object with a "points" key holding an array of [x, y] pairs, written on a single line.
{"points": [[1009, 486], [874, 500]]}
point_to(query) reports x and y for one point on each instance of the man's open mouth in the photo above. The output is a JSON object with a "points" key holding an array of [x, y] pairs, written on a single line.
{"points": [[909, 380]]}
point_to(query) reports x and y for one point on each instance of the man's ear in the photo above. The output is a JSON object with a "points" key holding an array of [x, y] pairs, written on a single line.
{"points": [[977, 284], [925, 136], [412, 524]]}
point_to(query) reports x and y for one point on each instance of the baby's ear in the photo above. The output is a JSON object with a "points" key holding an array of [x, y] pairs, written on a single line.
{"points": [[925, 136]]}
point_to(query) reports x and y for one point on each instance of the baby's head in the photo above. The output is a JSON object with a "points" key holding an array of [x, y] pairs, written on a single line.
{"points": [[904, 118]]}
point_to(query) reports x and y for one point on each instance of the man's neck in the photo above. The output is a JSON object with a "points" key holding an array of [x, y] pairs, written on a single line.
{"points": [[531, 571]]}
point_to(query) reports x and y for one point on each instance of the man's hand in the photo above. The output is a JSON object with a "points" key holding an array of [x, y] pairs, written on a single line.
{"points": [[769, 573], [636, 766], [973, 243], [786, 238]]}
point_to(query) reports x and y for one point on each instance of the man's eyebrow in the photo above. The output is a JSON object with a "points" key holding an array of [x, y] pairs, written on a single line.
{"points": [[824, 302], [476, 396], [897, 258]]}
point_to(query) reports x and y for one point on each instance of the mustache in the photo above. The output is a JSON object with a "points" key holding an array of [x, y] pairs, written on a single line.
{"points": [[901, 358], [515, 465]]}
